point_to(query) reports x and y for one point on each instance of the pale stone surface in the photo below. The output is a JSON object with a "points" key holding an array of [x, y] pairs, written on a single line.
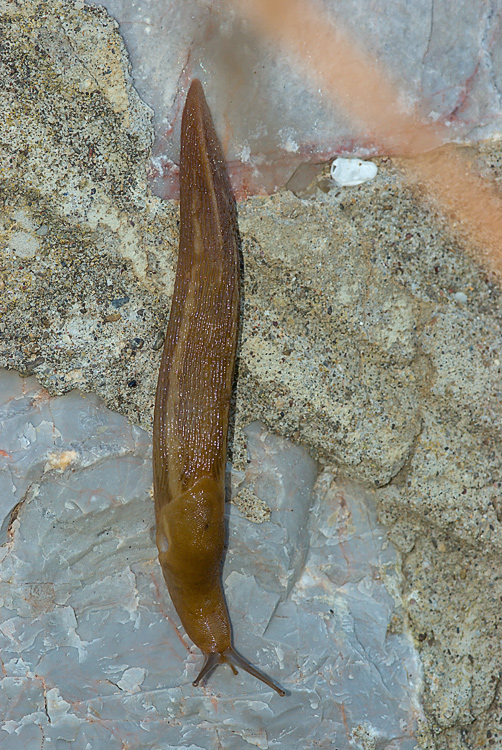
{"points": [[368, 337], [444, 57], [91, 643]]}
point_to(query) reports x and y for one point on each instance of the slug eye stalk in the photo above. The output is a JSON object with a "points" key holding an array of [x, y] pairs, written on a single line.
{"points": [[233, 659]]}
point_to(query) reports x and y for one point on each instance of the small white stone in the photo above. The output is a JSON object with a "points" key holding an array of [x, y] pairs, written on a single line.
{"points": [[460, 297], [349, 172]]}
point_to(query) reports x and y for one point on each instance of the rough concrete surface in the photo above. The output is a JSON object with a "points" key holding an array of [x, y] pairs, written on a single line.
{"points": [[368, 336]]}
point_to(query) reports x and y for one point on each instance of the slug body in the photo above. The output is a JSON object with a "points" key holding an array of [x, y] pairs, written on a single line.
{"points": [[193, 393]]}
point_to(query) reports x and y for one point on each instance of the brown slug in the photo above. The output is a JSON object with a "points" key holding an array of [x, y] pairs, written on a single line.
{"points": [[193, 394]]}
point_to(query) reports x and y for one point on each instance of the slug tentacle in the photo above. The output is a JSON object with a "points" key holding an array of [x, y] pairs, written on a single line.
{"points": [[233, 659], [194, 391]]}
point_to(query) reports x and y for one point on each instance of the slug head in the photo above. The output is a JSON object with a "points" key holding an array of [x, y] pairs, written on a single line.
{"points": [[190, 539]]}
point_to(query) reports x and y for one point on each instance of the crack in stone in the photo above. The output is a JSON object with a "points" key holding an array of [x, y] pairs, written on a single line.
{"points": [[486, 44], [429, 39]]}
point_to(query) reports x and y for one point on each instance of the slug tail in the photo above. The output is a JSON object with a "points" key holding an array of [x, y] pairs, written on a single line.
{"points": [[233, 659]]}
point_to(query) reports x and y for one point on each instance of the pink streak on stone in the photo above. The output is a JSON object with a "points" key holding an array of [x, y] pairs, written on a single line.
{"points": [[269, 119]]}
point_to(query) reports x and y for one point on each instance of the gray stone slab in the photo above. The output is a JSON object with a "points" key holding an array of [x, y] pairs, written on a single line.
{"points": [[92, 649]]}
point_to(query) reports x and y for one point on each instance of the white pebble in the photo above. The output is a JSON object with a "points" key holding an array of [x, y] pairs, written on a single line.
{"points": [[460, 297], [348, 172]]}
